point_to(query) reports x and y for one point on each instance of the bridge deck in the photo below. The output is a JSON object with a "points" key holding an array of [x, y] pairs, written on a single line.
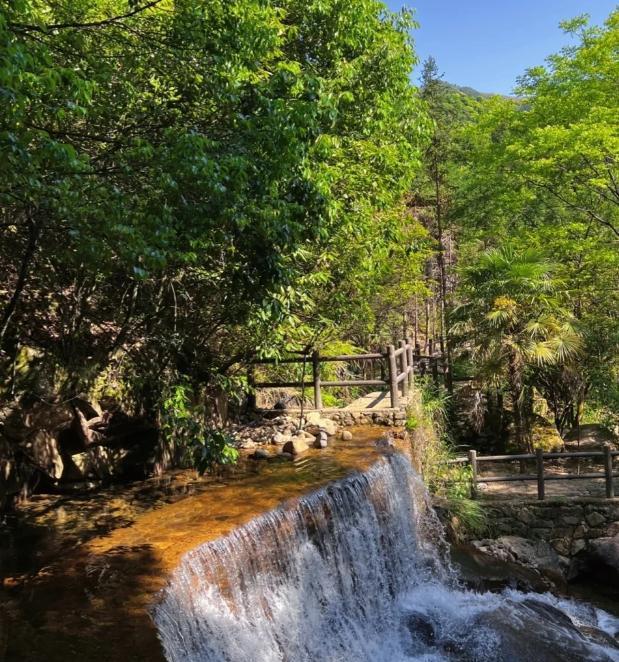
{"points": [[374, 400]]}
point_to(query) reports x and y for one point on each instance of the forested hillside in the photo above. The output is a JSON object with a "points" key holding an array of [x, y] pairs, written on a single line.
{"points": [[533, 198], [187, 185]]}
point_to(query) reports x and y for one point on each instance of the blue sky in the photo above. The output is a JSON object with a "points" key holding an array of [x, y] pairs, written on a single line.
{"points": [[487, 44]]}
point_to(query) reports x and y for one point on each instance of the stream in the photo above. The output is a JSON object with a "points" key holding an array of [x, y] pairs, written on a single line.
{"points": [[360, 571], [337, 556]]}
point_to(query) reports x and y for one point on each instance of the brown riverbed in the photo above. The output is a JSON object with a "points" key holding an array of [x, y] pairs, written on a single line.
{"points": [[80, 574]]}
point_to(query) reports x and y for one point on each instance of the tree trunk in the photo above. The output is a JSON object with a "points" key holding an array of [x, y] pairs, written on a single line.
{"points": [[427, 323], [440, 259], [24, 269], [516, 393]]}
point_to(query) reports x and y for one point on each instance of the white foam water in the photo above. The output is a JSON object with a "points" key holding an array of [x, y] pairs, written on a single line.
{"points": [[358, 572]]}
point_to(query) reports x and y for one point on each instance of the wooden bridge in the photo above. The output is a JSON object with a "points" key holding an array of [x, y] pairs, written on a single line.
{"points": [[397, 366]]}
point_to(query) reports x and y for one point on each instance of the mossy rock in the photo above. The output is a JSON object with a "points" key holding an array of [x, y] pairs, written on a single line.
{"points": [[544, 435]]}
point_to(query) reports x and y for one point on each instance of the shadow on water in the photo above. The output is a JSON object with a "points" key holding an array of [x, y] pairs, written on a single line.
{"points": [[84, 607]]}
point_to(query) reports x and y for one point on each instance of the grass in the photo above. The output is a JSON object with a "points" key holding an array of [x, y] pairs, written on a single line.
{"points": [[432, 451]]}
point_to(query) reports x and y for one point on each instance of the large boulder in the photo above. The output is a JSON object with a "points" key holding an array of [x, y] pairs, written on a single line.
{"points": [[535, 630], [533, 555], [97, 462], [78, 436], [41, 447], [295, 446], [503, 628], [603, 557], [26, 418]]}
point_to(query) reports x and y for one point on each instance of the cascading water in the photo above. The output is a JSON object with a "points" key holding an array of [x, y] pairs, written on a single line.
{"points": [[358, 572]]}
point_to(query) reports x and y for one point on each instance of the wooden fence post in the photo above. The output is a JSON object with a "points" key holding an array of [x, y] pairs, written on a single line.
{"points": [[539, 453], [411, 362], [316, 375], [393, 377], [608, 470], [251, 383], [404, 364], [473, 461], [434, 364]]}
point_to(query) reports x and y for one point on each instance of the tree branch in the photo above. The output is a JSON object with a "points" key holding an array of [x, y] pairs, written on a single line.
{"points": [[25, 27], [572, 205]]}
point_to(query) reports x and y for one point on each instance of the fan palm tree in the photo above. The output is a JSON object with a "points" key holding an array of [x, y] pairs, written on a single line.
{"points": [[513, 322]]}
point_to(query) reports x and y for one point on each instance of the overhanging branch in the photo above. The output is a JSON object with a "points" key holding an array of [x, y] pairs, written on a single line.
{"points": [[25, 27]]}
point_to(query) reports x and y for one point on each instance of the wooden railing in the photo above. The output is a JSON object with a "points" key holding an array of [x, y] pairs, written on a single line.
{"points": [[397, 370], [540, 475]]}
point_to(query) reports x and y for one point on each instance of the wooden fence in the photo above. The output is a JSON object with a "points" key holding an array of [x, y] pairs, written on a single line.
{"points": [[540, 475], [398, 367]]}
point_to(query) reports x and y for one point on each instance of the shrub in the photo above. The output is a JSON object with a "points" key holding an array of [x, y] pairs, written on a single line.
{"points": [[191, 434], [432, 451]]}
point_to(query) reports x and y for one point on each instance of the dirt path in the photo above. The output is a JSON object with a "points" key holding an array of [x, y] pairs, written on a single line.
{"points": [[592, 438]]}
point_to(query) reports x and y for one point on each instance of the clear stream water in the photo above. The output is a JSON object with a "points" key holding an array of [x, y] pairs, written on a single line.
{"points": [[359, 571]]}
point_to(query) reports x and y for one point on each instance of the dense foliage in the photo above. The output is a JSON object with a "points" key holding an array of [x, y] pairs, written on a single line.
{"points": [[184, 183], [540, 179]]}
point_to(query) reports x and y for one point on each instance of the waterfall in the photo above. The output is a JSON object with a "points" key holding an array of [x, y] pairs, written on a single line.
{"points": [[358, 571]]}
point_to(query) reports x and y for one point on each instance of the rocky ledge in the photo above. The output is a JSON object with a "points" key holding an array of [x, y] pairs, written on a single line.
{"points": [[287, 434], [557, 540], [64, 446]]}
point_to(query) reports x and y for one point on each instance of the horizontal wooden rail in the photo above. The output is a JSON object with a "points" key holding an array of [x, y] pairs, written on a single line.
{"points": [[354, 357], [308, 359], [499, 458], [532, 456], [281, 384], [342, 382], [398, 369], [356, 382], [578, 476], [402, 376], [517, 477], [541, 476]]}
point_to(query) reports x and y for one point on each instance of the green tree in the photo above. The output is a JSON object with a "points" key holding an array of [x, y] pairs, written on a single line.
{"points": [[513, 322], [449, 110], [540, 171], [183, 182]]}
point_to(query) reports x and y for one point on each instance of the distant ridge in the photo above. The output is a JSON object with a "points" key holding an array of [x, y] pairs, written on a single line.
{"points": [[472, 92]]}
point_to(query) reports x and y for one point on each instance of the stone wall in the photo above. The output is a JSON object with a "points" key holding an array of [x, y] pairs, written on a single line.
{"points": [[570, 527], [347, 418]]}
